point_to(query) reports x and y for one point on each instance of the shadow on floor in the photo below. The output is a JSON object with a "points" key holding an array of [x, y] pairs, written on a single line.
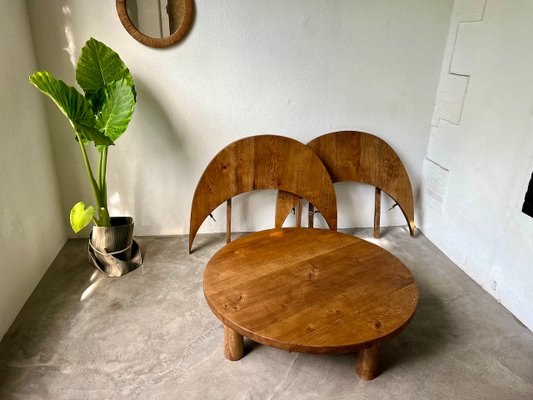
{"points": [[426, 335]]}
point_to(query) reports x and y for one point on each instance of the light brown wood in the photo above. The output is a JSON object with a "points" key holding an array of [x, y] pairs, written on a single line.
{"points": [[185, 10], [363, 157], [298, 213], [367, 363], [351, 156], [228, 221], [377, 213], [263, 162], [310, 290], [285, 202], [233, 344]]}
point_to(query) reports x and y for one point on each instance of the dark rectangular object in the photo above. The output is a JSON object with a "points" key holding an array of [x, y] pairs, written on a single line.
{"points": [[527, 208]]}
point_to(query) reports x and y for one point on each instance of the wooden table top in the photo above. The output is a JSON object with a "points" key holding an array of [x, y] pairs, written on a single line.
{"points": [[310, 290]]}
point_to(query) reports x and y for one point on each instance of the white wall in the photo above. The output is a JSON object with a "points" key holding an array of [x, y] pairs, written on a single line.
{"points": [[296, 68], [480, 155], [31, 218]]}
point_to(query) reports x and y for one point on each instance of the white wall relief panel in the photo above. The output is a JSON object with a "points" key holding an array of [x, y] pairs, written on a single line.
{"points": [[454, 82], [483, 135]]}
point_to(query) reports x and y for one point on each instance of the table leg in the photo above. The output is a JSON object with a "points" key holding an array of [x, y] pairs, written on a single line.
{"points": [[233, 344], [367, 363]]}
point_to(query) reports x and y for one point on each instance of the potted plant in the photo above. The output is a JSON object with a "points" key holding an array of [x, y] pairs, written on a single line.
{"points": [[99, 116]]}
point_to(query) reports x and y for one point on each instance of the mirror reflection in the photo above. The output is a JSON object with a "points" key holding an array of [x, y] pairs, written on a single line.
{"points": [[156, 18]]}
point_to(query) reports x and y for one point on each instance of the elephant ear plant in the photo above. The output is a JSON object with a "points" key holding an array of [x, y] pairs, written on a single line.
{"points": [[99, 116]]}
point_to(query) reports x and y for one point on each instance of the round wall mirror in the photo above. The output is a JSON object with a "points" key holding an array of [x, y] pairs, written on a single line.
{"points": [[156, 23]]}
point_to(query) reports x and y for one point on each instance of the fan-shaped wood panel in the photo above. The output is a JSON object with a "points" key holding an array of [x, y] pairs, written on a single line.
{"points": [[263, 162], [351, 156]]}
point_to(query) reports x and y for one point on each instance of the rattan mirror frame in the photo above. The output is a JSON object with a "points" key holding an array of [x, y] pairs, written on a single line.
{"points": [[180, 33]]}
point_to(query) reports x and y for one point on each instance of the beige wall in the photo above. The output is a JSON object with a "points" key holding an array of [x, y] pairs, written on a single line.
{"points": [[32, 229], [480, 155], [293, 67]]}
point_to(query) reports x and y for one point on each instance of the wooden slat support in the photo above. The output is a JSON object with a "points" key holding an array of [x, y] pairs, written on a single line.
{"points": [[298, 211], [377, 213], [228, 221], [311, 215]]}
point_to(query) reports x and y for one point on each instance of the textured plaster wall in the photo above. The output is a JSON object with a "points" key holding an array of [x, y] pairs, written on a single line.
{"points": [[480, 155], [293, 67], [31, 232]]}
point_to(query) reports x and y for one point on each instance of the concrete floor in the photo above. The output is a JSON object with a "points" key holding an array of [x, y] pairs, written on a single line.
{"points": [[150, 335]]}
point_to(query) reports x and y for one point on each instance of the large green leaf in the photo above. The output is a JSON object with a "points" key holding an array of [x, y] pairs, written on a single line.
{"points": [[75, 107], [117, 109], [97, 67], [69, 100]]}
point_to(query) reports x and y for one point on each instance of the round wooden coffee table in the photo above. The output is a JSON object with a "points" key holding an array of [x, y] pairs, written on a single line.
{"points": [[311, 291]]}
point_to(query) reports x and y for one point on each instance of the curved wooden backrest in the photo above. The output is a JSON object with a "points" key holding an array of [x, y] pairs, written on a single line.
{"points": [[263, 162], [351, 156]]}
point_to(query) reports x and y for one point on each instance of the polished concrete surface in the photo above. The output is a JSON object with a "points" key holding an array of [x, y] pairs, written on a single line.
{"points": [[150, 335]]}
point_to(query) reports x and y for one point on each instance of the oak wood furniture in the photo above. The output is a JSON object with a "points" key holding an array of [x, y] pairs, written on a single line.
{"points": [[312, 291], [262, 162], [351, 156]]}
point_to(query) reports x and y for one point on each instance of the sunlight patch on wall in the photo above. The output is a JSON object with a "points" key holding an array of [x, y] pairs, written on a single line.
{"points": [[114, 204], [116, 207], [69, 36]]}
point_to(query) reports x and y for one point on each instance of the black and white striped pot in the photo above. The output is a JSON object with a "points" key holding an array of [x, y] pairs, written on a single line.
{"points": [[112, 249]]}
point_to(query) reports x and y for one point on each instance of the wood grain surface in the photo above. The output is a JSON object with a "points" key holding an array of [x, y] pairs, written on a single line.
{"points": [[351, 156], [263, 162], [233, 344], [367, 363], [310, 290], [285, 202]]}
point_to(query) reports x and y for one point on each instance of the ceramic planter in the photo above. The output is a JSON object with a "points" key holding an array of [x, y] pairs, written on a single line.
{"points": [[112, 249]]}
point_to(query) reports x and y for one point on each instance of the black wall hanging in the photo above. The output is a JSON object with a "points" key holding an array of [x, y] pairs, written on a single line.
{"points": [[527, 208]]}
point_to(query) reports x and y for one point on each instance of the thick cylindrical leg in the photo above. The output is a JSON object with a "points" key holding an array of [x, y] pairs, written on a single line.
{"points": [[367, 363], [233, 344]]}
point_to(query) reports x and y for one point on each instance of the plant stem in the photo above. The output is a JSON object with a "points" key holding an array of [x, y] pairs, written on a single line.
{"points": [[103, 186], [102, 211], [104, 217], [100, 171]]}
